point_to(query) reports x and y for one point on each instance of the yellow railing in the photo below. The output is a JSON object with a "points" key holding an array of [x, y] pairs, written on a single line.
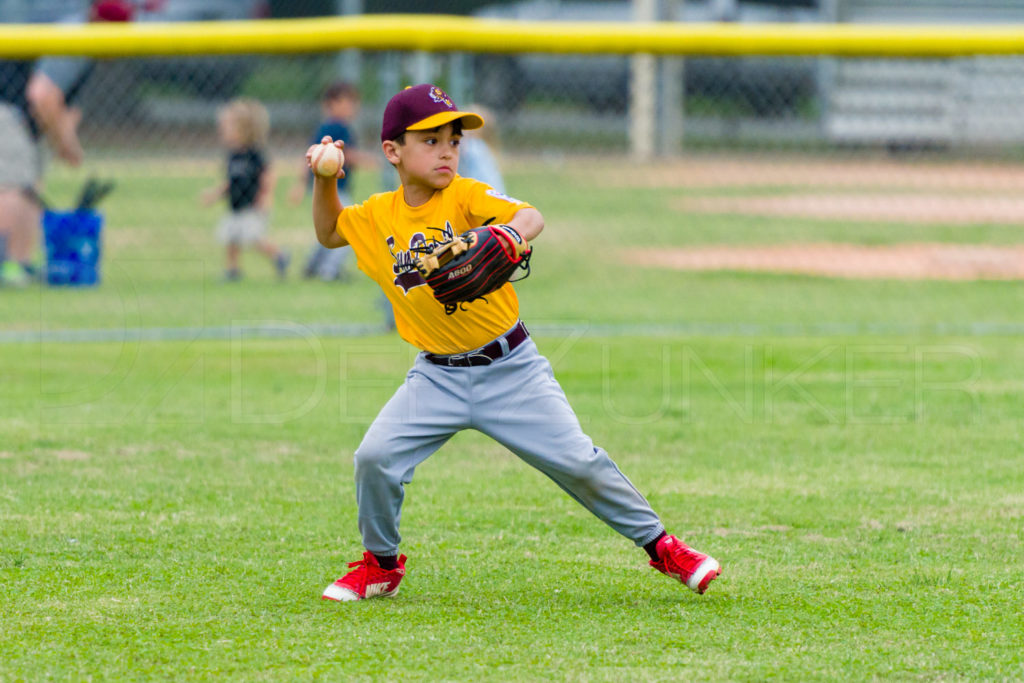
{"points": [[434, 33]]}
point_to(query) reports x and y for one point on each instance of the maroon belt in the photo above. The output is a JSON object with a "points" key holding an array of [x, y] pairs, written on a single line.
{"points": [[487, 354]]}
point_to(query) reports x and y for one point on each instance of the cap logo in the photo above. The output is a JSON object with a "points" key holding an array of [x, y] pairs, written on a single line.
{"points": [[441, 97], [418, 106]]}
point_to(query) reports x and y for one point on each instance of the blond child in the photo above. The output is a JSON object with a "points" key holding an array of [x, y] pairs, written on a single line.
{"points": [[243, 126]]}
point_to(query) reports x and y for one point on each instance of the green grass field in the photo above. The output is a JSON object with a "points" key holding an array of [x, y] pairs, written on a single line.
{"points": [[849, 450]]}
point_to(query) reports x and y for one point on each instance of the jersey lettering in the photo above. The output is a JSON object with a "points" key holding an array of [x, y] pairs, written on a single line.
{"points": [[406, 275], [501, 195]]}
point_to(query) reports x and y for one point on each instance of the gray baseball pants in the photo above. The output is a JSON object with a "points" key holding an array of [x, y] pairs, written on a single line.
{"points": [[516, 401]]}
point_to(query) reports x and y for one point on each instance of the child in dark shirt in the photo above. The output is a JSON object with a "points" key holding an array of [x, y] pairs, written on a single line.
{"points": [[243, 125]]}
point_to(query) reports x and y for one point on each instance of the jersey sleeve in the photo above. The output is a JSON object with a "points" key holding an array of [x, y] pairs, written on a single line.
{"points": [[484, 204], [354, 224], [360, 225]]}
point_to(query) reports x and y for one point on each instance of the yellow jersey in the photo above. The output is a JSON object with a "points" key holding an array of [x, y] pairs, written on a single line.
{"points": [[383, 229]]}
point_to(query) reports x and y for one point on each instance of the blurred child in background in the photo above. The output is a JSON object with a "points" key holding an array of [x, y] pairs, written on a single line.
{"points": [[477, 153], [243, 126], [339, 106]]}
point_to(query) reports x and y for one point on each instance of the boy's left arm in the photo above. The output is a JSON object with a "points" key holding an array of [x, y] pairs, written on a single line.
{"points": [[528, 223]]}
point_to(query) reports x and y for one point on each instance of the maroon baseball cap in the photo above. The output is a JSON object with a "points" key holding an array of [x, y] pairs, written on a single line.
{"points": [[422, 107]]}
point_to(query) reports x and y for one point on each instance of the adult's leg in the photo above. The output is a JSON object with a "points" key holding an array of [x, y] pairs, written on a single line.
{"points": [[20, 170], [521, 405], [19, 223]]}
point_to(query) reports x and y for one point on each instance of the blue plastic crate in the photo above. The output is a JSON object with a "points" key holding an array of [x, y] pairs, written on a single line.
{"points": [[72, 247]]}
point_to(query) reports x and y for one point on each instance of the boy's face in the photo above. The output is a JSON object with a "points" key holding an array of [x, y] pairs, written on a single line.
{"points": [[428, 157]]}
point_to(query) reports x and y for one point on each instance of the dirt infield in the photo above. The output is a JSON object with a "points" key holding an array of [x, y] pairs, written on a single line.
{"points": [[902, 262], [837, 172], [882, 208], [864, 189], [844, 189]]}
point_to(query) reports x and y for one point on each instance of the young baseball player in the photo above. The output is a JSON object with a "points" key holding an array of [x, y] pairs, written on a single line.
{"points": [[474, 360]]}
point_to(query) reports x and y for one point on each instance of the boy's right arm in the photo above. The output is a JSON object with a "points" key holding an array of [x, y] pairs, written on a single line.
{"points": [[326, 206], [326, 209]]}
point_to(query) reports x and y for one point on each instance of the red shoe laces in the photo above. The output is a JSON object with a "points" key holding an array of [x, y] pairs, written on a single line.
{"points": [[687, 554]]}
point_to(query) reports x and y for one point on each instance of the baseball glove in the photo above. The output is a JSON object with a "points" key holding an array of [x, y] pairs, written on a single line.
{"points": [[472, 265]]}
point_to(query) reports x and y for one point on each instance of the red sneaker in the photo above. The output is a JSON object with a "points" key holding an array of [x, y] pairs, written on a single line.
{"points": [[685, 564], [366, 580]]}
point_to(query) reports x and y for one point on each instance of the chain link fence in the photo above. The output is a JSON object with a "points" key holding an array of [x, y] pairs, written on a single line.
{"points": [[577, 103], [738, 140]]}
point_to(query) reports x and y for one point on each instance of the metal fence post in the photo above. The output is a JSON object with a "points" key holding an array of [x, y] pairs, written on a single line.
{"points": [[350, 62], [672, 111], [642, 91]]}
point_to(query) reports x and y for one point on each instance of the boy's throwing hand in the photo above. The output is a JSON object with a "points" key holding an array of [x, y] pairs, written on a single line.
{"points": [[327, 159]]}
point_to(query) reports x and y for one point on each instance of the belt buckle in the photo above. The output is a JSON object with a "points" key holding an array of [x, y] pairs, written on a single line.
{"points": [[484, 356], [452, 357]]}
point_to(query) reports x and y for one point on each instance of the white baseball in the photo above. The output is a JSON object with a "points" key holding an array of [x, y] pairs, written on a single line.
{"points": [[327, 160]]}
